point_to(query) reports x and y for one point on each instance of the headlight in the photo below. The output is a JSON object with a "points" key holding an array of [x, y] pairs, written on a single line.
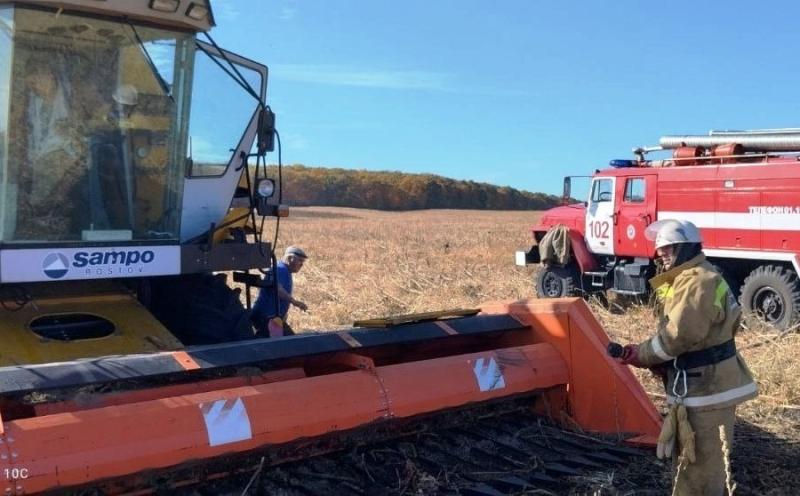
{"points": [[266, 188]]}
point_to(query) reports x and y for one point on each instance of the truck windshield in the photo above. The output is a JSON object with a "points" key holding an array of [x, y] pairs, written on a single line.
{"points": [[93, 120]]}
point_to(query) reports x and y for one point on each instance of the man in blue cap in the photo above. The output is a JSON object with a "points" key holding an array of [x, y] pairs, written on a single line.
{"points": [[269, 312]]}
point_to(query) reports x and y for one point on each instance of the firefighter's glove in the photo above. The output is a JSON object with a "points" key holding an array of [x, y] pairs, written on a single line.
{"points": [[676, 428], [685, 435], [666, 438], [630, 356]]}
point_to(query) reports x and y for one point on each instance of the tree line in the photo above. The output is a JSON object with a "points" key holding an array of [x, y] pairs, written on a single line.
{"points": [[391, 190]]}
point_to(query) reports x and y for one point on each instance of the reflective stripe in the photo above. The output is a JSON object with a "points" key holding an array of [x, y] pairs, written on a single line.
{"points": [[722, 290], [655, 342], [717, 398], [665, 291]]}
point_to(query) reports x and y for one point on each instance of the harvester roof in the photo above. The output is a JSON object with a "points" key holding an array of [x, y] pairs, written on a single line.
{"points": [[194, 15]]}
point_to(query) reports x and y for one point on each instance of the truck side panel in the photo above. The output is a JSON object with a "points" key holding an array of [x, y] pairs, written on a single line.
{"points": [[782, 227], [748, 234], [688, 194]]}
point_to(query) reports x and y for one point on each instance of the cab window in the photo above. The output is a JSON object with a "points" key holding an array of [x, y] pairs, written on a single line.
{"points": [[602, 190], [634, 190]]}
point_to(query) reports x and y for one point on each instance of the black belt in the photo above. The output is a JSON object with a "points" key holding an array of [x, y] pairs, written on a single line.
{"points": [[708, 356]]}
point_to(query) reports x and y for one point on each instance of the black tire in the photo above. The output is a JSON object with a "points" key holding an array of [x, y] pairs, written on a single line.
{"points": [[555, 281], [772, 293], [200, 309]]}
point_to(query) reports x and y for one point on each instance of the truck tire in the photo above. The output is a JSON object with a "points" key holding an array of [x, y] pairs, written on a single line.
{"points": [[555, 281], [772, 292], [200, 309]]}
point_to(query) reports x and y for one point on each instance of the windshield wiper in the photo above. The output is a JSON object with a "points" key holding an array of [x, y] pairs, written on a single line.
{"points": [[161, 82]]}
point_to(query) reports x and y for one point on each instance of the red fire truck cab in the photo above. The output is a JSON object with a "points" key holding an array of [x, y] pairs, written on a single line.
{"points": [[742, 189]]}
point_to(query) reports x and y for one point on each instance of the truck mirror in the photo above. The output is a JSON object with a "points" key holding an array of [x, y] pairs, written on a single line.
{"points": [[266, 131], [567, 189]]}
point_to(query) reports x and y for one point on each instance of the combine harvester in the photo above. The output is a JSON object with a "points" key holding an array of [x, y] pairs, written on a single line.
{"points": [[127, 366]]}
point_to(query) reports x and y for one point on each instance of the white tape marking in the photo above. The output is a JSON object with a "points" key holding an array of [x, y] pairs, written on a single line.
{"points": [[488, 374], [226, 421]]}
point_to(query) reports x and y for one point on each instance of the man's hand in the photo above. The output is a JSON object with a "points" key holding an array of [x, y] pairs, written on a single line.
{"points": [[299, 304], [630, 356]]}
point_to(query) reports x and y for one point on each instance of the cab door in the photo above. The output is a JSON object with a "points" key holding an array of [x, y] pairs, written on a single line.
{"points": [[600, 216], [635, 210], [223, 114]]}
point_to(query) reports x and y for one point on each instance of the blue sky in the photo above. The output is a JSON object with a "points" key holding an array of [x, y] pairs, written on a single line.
{"points": [[514, 92]]}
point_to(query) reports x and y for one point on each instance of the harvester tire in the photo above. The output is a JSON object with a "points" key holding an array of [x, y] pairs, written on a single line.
{"points": [[200, 309], [772, 292], [554, 281]]}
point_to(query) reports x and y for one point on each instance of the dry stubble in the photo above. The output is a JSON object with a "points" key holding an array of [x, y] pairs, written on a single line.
{"points": [[369, 264]]}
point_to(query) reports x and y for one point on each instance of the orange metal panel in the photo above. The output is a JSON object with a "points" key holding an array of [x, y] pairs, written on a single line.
{"points": [[604, 395], [433, 385], [78, 447]]}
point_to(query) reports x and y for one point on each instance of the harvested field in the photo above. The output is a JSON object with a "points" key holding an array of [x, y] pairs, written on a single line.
{"points": [[370, 264]]}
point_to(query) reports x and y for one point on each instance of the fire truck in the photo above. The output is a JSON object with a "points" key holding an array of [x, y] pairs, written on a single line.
{"points": [[741, 188]]}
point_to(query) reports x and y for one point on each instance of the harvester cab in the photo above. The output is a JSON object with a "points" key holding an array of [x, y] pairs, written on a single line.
{"points": [[128, 366], [125, 177]]}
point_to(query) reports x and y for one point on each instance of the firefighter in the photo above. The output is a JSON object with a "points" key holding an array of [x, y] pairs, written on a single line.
{"points": [[694, 344]]}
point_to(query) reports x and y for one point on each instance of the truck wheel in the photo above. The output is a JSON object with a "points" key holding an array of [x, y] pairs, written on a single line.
{"points": [[200, 309], [773, 293], [554, 281]]}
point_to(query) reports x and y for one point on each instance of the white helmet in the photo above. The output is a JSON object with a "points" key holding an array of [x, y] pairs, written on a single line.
{"points": [[670, 231]]}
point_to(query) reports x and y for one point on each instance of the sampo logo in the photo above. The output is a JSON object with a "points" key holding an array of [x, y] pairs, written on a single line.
{"points": [[119, 257], [55, 265]]}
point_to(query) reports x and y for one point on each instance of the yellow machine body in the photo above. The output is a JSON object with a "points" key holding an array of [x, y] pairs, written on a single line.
{"points": [[135, 330]]}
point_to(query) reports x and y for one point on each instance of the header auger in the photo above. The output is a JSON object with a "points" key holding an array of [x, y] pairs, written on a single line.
{"points": [[116, 422]]}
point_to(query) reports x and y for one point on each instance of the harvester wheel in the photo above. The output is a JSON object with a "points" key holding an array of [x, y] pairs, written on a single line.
{"points": [[200, 309], [555, 281], [772, 293]]}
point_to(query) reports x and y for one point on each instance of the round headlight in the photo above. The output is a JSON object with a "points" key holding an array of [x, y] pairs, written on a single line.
{"points": [[266, 188]]}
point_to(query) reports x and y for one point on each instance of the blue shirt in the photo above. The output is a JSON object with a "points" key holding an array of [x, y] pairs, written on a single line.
{"points": [[265, 304]]}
